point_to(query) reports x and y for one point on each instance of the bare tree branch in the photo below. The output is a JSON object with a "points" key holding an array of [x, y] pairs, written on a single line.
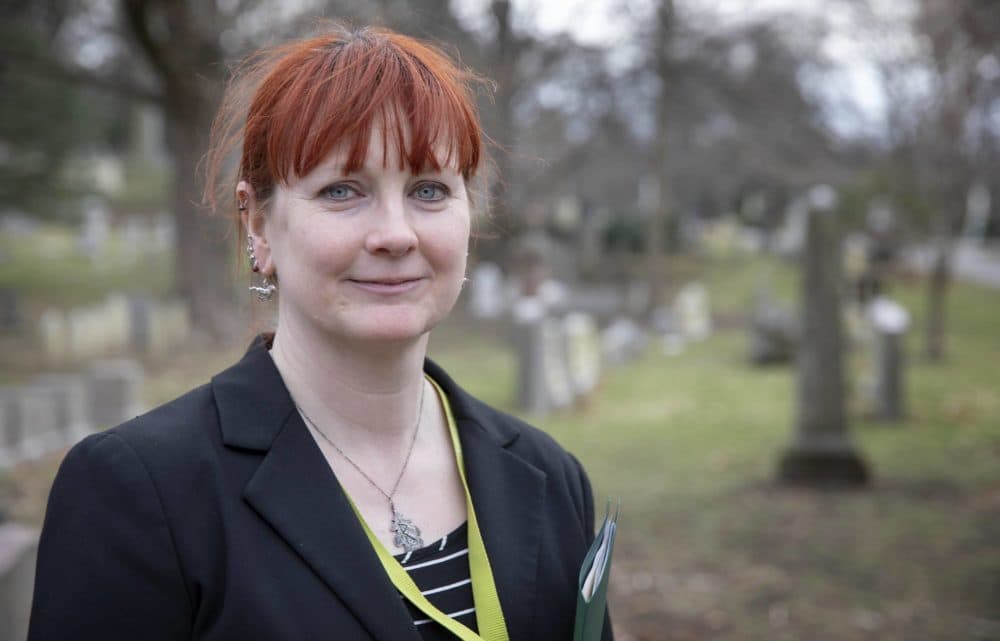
{"points": [[76, 75]]}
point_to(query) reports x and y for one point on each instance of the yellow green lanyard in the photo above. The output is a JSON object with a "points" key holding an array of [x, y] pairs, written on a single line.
{"points": [[489, 614]]}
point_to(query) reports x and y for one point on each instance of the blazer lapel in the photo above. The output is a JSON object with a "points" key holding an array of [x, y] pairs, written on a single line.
{"points": [[510, 520], [294, 490]]}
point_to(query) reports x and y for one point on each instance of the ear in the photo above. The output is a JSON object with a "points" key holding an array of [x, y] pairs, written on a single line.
{"points": [[255, 224]]}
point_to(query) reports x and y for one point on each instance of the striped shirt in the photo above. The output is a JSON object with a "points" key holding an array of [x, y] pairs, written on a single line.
{"points": [[441, 571]]}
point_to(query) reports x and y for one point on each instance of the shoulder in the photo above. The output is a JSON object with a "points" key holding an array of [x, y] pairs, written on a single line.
{"points": [[525, 440], [516, 436], [178, 425]]}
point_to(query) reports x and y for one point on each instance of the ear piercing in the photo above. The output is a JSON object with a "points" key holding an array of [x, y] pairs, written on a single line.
{"points": [[264, 291]]}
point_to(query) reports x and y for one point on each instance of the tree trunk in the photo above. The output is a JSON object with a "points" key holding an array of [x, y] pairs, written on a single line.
{"points": [[937, 291], [659, 216], [203, 260]]}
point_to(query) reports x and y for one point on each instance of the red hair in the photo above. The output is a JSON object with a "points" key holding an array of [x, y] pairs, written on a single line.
{"points": [[289, 106]]}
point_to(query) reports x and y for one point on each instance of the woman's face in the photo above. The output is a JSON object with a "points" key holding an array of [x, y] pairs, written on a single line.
{"points": [[377, 255]]}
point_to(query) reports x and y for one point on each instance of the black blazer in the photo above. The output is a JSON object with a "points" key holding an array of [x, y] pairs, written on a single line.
{"points": [[216, 517]]}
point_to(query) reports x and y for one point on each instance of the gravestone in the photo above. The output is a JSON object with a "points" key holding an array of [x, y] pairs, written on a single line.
{"points": [[774, 329], [28, 422], [10, 310], [691, 310], [113, 392], [139, 313], [11, 426], [622, 341], [890, 322], [583, 353], [53, 333], [93, 235], [116, 323], [487, 292], [543, 383], [821, 451], [69, 398], [18, 553]]}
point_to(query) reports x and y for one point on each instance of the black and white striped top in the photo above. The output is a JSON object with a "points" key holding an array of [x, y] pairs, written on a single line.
{"points": [[441, 571]]}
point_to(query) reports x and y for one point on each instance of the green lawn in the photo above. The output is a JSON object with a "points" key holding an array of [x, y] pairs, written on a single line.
{"points": [[712, 548]]}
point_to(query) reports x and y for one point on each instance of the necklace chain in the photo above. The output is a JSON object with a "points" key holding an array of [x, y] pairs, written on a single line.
{"points": [[407, 535]]}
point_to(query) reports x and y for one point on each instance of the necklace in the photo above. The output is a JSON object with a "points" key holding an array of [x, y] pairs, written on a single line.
{"points": [[406, 535]]}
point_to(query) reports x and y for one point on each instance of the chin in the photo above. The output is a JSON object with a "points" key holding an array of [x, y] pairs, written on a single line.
{"points": [[391, 330]]}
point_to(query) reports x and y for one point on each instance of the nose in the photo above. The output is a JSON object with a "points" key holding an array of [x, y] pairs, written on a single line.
{"points": [[391, 232]]}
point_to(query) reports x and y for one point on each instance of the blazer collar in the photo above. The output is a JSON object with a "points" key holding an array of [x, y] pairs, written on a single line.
{"points": [[295, 491]]}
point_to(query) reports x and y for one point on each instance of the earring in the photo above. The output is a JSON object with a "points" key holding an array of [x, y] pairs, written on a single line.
{"points": [[264, 291]]}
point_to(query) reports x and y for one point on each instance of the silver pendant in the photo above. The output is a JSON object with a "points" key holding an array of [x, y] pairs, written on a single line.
{"points": [[407, 535]]}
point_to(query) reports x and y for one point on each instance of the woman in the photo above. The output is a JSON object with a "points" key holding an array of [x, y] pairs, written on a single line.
{"points": [[334, 484]]}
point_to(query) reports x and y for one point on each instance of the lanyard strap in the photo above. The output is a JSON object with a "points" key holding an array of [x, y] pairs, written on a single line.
{"points": [[489, 614]]}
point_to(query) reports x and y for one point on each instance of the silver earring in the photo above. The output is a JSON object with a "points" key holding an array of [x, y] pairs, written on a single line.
{"points": [[264, 291]]}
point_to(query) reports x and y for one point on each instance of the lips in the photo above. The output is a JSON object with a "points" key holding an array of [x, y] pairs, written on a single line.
{"points": [[388, 285]]}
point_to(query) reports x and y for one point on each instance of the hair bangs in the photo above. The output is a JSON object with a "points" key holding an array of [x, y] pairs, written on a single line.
{"points": [[337, 100]]}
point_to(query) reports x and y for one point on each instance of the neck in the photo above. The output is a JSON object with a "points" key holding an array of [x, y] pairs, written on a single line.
{"points": [[355, 393]]}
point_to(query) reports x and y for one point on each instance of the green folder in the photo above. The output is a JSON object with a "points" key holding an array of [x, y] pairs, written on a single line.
{"points": [[592, 595]]}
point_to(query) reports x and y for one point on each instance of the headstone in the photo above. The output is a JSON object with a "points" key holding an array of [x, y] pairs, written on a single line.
{"points": [[96, 229], [42, 432], [18, 553], [487, 294], [117, 322], [774, 330], [114, 388], [53, 333], [80, 335], [29, 423], [10, 309], [691, 308], [543, 383], [140, 315], [11, 427], [890, 321], [822, 451], [622, 341], [69, 398], [583, 353]]}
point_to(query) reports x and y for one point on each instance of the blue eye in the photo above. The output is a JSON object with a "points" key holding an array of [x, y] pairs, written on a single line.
{"points": [[340, 191], [430, 192]]}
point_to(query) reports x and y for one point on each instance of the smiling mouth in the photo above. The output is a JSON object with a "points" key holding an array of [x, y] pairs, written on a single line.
{"points": [[388, 285]]}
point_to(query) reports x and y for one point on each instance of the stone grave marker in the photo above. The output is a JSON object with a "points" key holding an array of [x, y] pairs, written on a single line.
{"points": [[622, 341], [543, 383], [487, 292], [113, 392], [93, 235], [11, 315], [69, 398], [53, 333], [18, 553], [691, 310], [890, 321], [583, 352], [29, 423], [116, 312], [774, 330]]}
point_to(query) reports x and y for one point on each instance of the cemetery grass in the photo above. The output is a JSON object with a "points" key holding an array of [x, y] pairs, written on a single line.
{"points": [[710, 546]]}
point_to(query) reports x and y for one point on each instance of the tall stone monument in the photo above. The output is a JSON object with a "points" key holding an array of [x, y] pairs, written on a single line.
{"points": [[822, 452]]}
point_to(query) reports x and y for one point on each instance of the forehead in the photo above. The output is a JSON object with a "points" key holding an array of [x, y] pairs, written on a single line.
{"points": [[389, 147]]}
